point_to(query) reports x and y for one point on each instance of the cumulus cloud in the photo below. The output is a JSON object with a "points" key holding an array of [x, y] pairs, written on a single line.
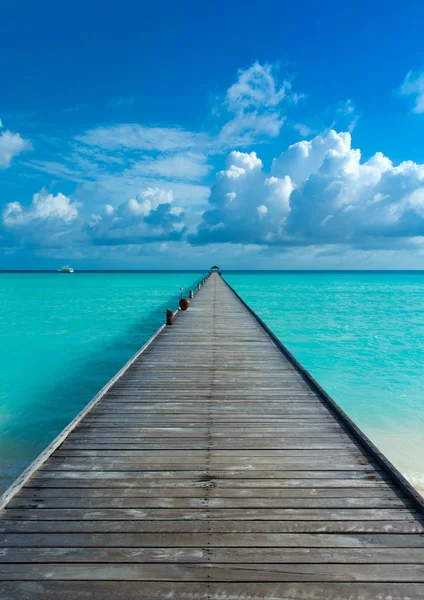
{"points": [[49, 221], [149, 217], [253, 104], [44, 206], [318, 192], [246, 205], [11, 145], [413, 85], [54, 221], [304, 158]]}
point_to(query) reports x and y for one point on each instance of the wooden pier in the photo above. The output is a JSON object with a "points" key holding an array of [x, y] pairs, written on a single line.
{"points": [[212, 468]]}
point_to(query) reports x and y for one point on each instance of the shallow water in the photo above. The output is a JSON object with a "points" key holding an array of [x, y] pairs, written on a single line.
{"points": [[360, 334], [61, 339]]}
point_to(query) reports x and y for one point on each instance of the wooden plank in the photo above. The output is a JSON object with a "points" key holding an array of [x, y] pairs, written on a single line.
{"points": [[270, 443], [207, 572], [169, 502], [83, 535], [225, 514], [131, 432], [216, 453], [211, 492], [206, 481], [77, 590], [137, 475], [230, 464], [214, 555]]}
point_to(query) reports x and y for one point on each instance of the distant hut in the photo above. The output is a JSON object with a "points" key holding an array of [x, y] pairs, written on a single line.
{"points": [[215, 269]]}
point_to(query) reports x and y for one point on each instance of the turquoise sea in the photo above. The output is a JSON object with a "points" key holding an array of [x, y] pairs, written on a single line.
{"points": [[361, 334], [62, 337]]}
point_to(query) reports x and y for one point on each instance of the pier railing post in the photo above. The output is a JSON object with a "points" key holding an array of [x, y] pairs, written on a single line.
{"points": [[191, 294], [169, 317]]}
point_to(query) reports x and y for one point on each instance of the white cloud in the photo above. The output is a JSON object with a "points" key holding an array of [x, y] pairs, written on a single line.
{"points": [[304, 130], [56, 221], [113, 188], [302, 159], [181, 166], [247, 206], [413, 85], [11, 145], [149, 217], [133, 136], [44, 206], [48, 221], [251, 108], [58, 170], [256, 87], [254, 105], [318, 192]]}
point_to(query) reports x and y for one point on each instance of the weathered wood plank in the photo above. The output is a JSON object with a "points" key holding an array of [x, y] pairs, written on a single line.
{"points": [[83, 535], [225, 514], [257, 443], [212, 492], [207, 526], [77, 590], [231, 464], [213, 555], [206, 481], [169, 502], [207, 572], [216, 453], [365, 474]]}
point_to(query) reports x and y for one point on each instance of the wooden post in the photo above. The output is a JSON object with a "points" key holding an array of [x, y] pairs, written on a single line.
{"points": [[191, 294], [169, 317], [199, 285]]}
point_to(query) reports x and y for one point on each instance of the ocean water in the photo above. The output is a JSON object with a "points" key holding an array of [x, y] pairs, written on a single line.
{"points": [[62, 337], [360, 334]]}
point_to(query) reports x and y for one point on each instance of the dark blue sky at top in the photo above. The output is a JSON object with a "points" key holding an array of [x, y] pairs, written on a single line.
{"points": [[171, 57]]}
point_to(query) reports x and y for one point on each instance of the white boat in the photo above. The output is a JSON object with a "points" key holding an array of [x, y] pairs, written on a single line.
{"points": [[65, 270]]}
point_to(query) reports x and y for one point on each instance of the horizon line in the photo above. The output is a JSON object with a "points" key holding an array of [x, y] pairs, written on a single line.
{"points": [[200, 270]]}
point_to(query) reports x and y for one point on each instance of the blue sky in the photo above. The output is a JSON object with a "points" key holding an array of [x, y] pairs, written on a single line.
{"points": [[178, 134]]}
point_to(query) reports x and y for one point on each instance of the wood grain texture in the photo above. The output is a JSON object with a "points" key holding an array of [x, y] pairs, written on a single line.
{"points": [[212, 470], [101, 590]]}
